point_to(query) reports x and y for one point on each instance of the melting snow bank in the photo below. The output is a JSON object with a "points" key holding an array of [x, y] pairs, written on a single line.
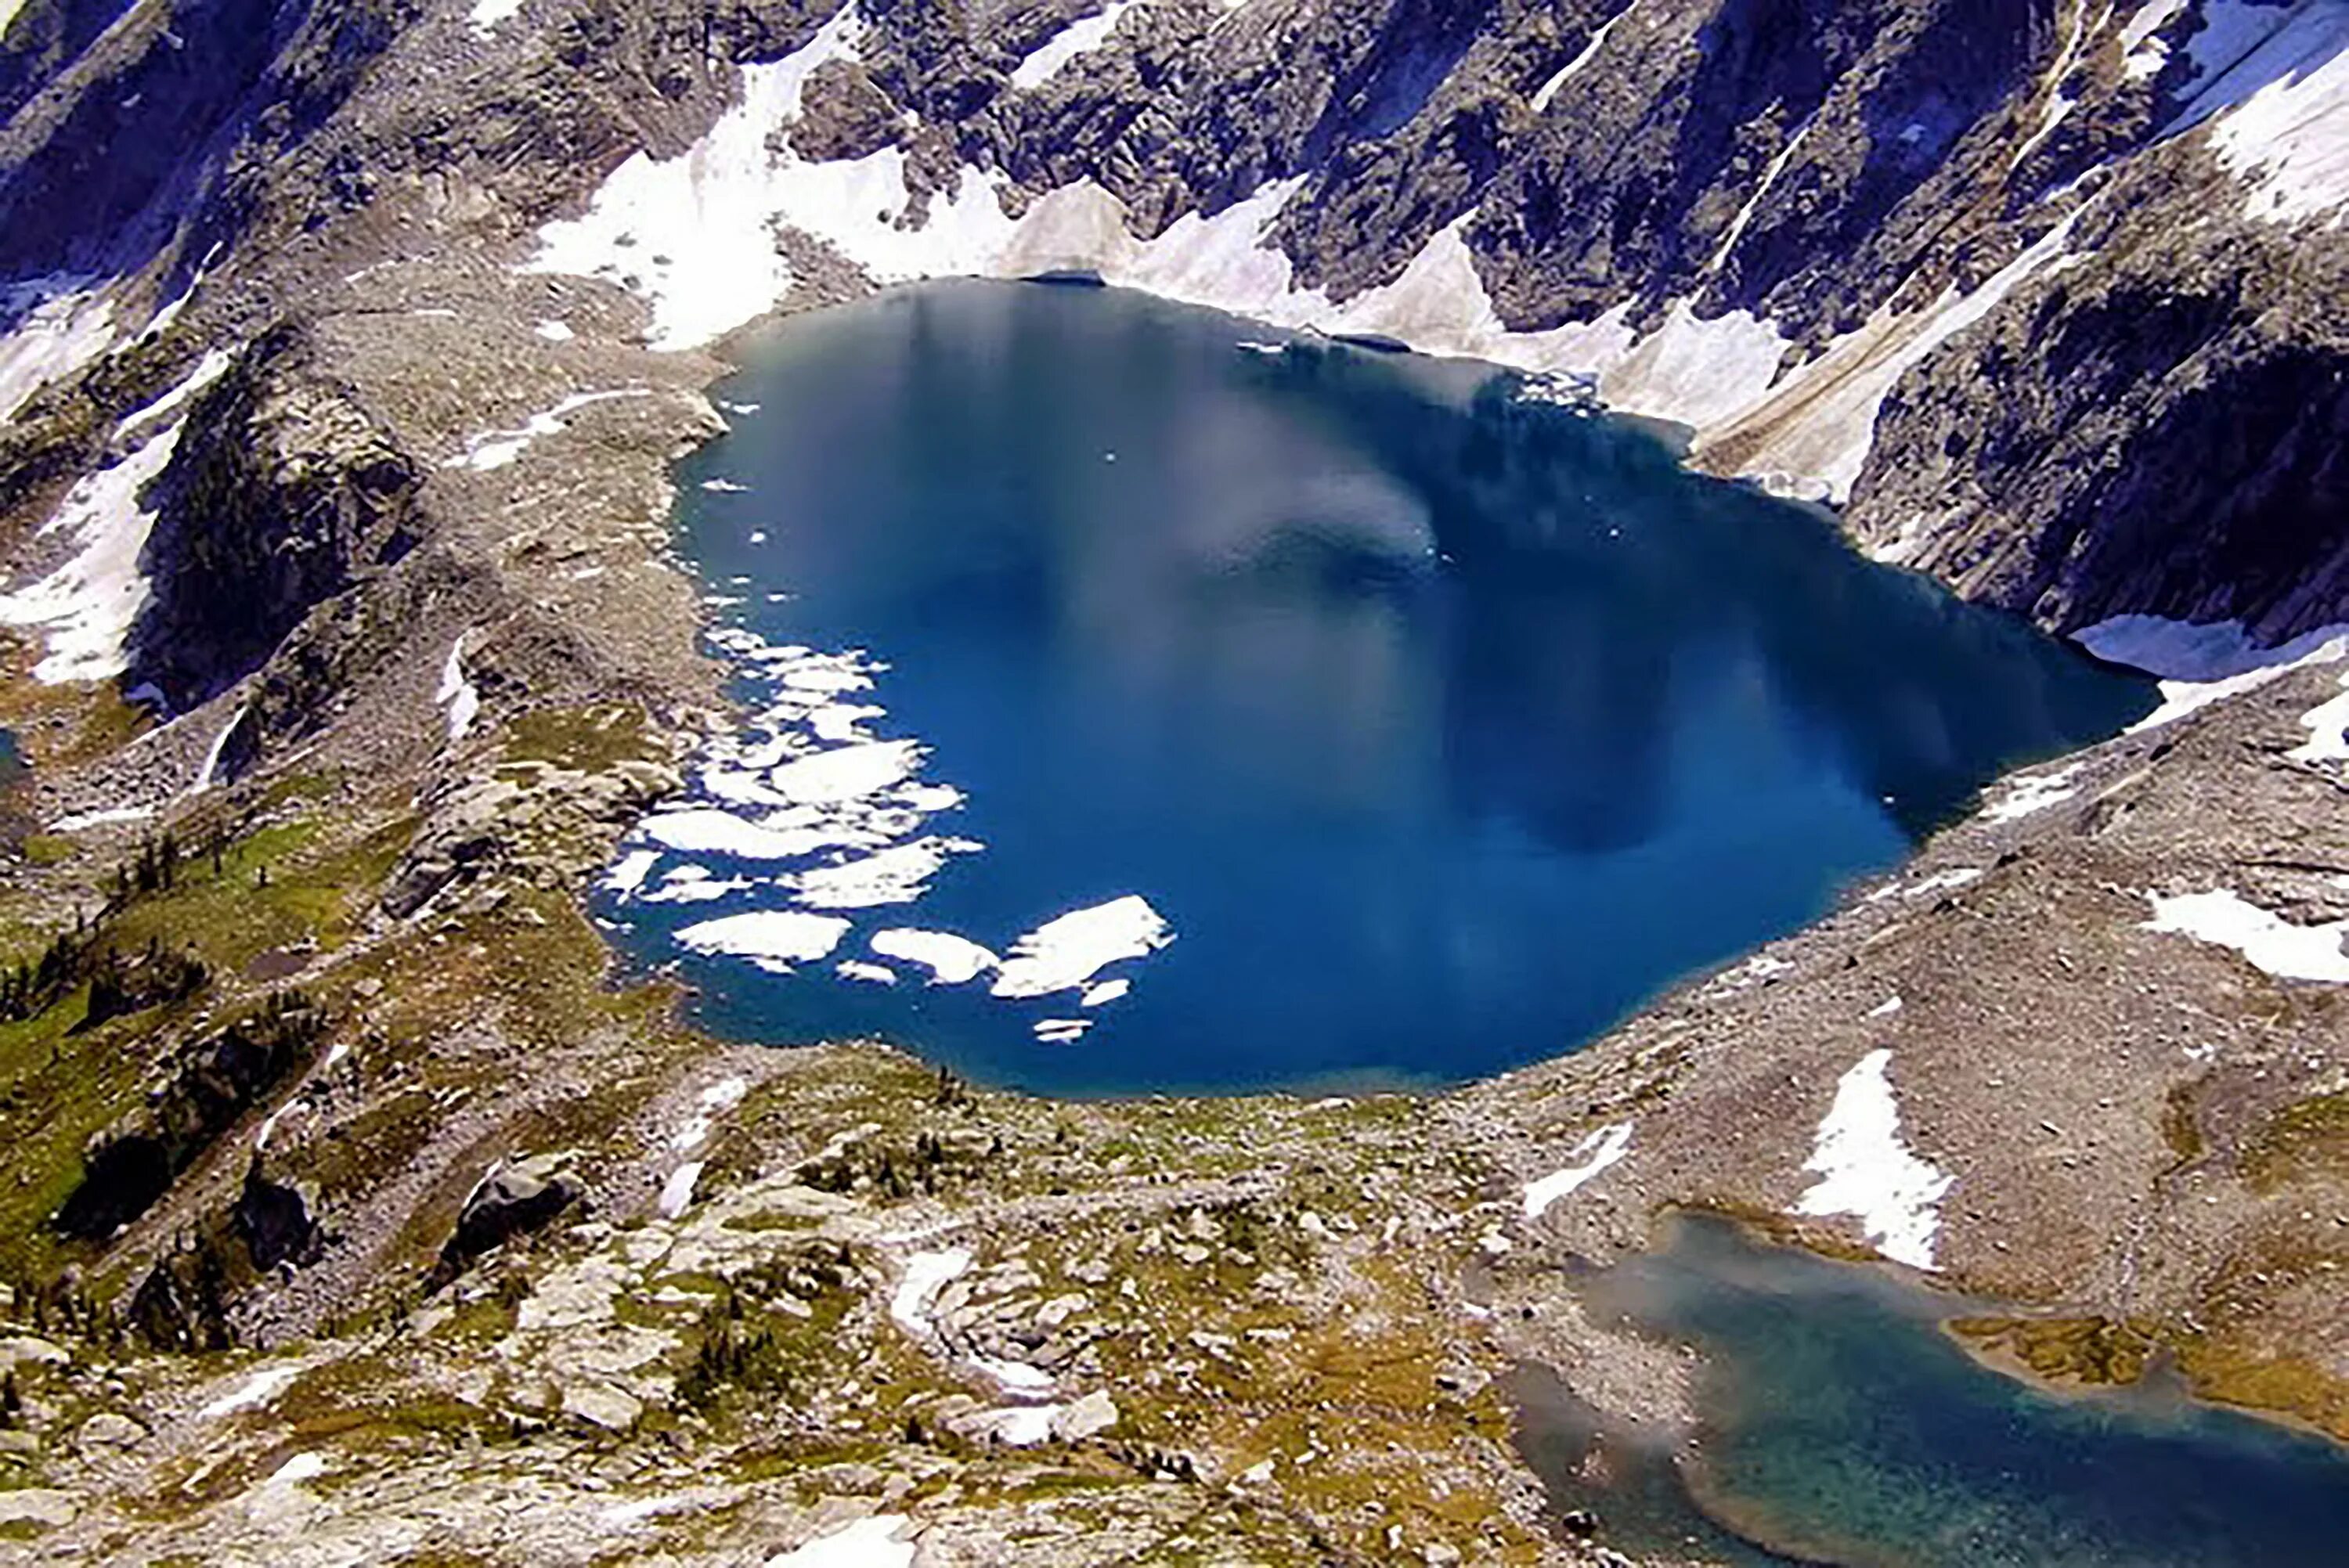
{"points": [[87, 606], [2199, 664], [927, 1274], [873, 1542], [62, 324], [1594, 1154], [496, 449], [696, 235], [2270, 941], [458, 698], [1865, 1171]]}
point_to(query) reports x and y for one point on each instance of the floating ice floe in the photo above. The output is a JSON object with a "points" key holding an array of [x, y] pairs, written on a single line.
{"points": [[951, 960], [774, 939], [1595, 1152], [1864, 1170], [865, 973], [725, 487], [900, 874], [1063, 955], [629, 873], [2270, 941], [705, 830], [1062, 1031], [1102, 995]]}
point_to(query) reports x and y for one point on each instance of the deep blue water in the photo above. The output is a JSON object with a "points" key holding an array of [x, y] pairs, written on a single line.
{"points": [[1441, 724], [1842, 1425]]}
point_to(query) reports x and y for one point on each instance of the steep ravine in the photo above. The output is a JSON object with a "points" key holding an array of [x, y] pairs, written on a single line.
{"points": [[405, 309]]}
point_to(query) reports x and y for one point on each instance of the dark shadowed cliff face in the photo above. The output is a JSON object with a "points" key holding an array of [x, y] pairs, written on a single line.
{"points": [[283, 495]]}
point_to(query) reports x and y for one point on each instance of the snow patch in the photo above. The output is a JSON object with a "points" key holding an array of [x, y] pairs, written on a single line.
{"points": [[676, 1192], [2034, 794], [871, 1542], [111, 817], [1865, 1170], [495, 450], [1080, 37], [62, 324], [927, 1274], [208, 772], [458, 698], [254, 1391], [86, 607], [2200, 664], [2268, 941], [2328, 730], [1574, 67], [1593, 1155], [2286, 134]]}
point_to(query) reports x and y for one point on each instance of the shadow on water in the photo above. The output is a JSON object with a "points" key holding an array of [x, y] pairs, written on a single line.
{"points": [[1421, 708], [1840, 1424]]}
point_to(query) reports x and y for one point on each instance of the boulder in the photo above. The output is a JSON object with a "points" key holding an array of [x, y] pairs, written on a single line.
{"points": [[512, 1199]]}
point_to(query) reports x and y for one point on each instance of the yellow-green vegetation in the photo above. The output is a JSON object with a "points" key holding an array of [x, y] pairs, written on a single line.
{"points": [[45, 849], [2089, 1351], [2233, 1373], [2312, 1136], [586, 739]]}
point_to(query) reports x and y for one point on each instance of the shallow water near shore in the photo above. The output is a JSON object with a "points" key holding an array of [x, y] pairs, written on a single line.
{"points": [[1147, 700], [1842, 1425]]}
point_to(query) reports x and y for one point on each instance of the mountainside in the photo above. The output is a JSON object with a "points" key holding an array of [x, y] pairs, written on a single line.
{"points": [[344, 352]]}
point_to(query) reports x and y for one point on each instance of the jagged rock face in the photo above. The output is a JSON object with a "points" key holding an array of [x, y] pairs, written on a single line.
{"points": [[203, 1094], [2159, 433], [276, 1221], [285, 493], [1828, 166]]}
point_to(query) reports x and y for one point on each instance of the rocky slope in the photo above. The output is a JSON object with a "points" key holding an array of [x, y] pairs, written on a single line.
{"points": [[345, 349]]}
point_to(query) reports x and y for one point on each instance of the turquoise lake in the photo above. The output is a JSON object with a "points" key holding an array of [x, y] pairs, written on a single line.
{"points": [[1142, 699], [1842, 1425]]}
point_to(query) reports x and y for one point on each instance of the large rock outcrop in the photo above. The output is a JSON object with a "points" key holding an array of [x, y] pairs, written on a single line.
{"points": [[284, 494]]}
